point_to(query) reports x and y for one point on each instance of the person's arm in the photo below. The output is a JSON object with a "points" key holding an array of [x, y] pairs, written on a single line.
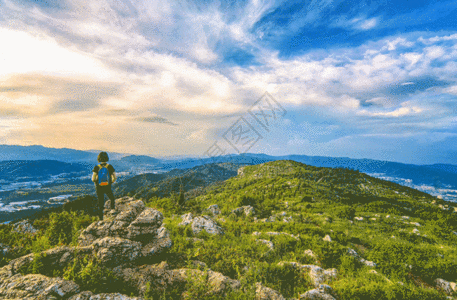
{"points": [[113, 177], [94, 177]]}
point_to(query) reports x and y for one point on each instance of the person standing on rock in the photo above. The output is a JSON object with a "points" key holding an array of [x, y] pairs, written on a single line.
{"points": [[103, 176]]}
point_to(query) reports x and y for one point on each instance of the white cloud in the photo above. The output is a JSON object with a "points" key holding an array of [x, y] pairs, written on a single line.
{"points": [[21, 52]]}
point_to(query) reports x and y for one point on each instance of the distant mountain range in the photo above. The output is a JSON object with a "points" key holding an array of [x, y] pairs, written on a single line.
{"points": [[443, 176], [11, 152]]}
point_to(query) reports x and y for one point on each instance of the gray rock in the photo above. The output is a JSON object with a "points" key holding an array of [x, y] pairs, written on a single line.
{"points": [[309, 252], [316, 273], [323, 292], [247, 210], [36, 286], [112, 250], [446, 286], [268, 243], [24, 227], [159, 244], [327, 238], [205, 223], [265, 293], [145, 226], [214, 209], [186, 219]]}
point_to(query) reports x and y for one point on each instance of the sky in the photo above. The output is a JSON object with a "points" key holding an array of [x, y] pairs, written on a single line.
{"points": [[358, 79]]}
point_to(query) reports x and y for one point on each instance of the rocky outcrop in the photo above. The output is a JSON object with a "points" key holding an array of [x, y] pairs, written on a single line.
{"points": [[34, 286], [162, 278], [131, 233], [200, 223]]}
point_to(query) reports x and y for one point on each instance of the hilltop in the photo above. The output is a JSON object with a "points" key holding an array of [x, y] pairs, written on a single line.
{"points": [[277, 230]]}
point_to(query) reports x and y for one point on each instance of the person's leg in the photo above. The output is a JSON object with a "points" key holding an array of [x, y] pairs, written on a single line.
{"points": [[110, 195], [101, 202]]}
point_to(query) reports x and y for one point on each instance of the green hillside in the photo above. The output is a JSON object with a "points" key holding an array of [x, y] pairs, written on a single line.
{"points": [[311, 203], [375, 239]]}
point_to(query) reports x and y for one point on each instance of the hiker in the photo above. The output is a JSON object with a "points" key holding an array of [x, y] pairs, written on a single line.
{"points": [[103, 176]]}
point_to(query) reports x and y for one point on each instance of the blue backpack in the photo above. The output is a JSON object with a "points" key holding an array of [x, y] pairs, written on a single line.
{"points": [[104, 177]]}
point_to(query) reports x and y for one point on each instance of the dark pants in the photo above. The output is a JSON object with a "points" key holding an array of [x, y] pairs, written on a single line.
{"points": [[101, 191]]}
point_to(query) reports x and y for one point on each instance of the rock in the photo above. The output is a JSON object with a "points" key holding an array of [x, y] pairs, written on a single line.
{"points": [[247, 210], [265, 293], [112, 250], [388, 216], [368, 263], [405, 217], [271, 219], [214, 209], [24, 227], [205, 223], [133, 222], [323, 292], [327, 238], [186, 219], [159, 244], [287, 219], [111, 296], [145, 226], [415, 223], [358, 218], [446, 286], [416, 231], [309, 252], [353, 253], [268, 243], [36, 286], [316, 273]]}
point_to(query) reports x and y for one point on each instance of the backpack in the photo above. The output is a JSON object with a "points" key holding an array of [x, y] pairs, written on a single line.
{"points": [[104, 177]]}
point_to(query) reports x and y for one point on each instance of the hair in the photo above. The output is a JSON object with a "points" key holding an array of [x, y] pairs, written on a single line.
{"points": [[103, 157]]}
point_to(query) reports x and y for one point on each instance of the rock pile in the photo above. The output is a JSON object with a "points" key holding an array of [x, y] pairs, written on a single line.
{"points": [[129, 234]]}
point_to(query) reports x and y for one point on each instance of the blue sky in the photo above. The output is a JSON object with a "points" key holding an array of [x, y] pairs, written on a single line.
{"points": [[361, 79]]}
